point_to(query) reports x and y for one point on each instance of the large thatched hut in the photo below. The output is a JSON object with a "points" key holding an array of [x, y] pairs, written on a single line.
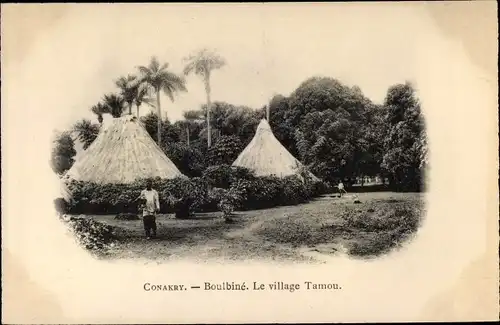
{"points": [[122, 153]]}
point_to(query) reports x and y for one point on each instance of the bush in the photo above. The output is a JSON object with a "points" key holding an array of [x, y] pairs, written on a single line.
{"points": [[189, 159], [91, 234], [204, 194], [223, 176], [270, 191], [229, 201], [225, 150], [92, 198]]}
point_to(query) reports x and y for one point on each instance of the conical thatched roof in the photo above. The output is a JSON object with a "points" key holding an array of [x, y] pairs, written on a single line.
{"points": [[122, 153], [266, 156]]}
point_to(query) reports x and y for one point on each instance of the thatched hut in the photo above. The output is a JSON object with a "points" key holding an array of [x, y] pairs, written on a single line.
{"points": [[266, 156], [122, 153]]}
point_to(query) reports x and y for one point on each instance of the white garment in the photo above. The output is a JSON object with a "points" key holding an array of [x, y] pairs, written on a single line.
{"points": [[152, 202], [341, 186]]}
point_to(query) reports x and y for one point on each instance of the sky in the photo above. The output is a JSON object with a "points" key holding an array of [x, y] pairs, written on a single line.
{"points": [[270, 49]]}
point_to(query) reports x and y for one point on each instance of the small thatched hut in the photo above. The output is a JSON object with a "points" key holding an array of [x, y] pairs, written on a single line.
{"points": [[266, 156], [122, 153]]}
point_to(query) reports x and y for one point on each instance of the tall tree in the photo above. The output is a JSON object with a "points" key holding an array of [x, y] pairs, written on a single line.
{"points": [[63, 152], [142, 97], [202, 63], [158, 78], [326, 120], [133, 92], [87, 132], [98, 110], [404, 145], [227, 119], [114, 104], [128, 90]]}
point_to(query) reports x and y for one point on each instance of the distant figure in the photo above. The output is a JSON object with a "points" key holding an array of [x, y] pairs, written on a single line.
{"points": [[150, 206], [341, 188]]}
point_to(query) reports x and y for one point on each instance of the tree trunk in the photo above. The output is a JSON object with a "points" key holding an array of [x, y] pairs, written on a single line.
{"points": [[137, 108], [130, 108], [209, 108], [158, 112], [187, 133]]}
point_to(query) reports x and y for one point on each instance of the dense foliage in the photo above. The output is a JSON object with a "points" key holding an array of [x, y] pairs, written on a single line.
{"points": [[92, 235], [333, 129], [405, 142], [188, 159], [86, 131], [92, 198], [225, 150], [219, 186], [63, 151]]}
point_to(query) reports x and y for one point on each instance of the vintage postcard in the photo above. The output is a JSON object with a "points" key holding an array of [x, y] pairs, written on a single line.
{"points": [[249, 163]]}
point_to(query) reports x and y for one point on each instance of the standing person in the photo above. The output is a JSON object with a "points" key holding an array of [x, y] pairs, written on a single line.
{"points": [[149, 209], [341, 188]]}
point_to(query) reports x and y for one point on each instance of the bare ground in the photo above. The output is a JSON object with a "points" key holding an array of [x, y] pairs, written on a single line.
{"points": [[327, 226]]}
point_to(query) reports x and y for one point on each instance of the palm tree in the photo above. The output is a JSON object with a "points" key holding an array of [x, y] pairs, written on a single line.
{"points": [[142, 96], [98, 110], [202, 63], [114, 104], [158, 78], [86, 132], [128, 90]]}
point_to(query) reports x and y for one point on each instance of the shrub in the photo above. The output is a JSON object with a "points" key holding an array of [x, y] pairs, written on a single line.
{"points": [[203, 194], [218, 176], [225, 150], [223, 176], [229, 201], [91, 234], [189, 159], [265, 192]]}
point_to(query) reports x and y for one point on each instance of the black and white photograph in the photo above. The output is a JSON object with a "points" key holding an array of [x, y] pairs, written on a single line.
{"points": [[286, 136], [281, 171]]}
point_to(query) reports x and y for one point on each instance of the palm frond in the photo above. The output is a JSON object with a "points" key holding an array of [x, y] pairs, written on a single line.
{"points": [[121, 82], [203, 62], [173, 79], [164, 66], [154, 65], [114, 104], [145, 71], [167, 90], [96, 109], [189, 68], [149, 101], [128, 87]]}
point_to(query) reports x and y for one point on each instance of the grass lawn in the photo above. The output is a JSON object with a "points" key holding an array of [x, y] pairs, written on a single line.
{"points": [[327, 225]]}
